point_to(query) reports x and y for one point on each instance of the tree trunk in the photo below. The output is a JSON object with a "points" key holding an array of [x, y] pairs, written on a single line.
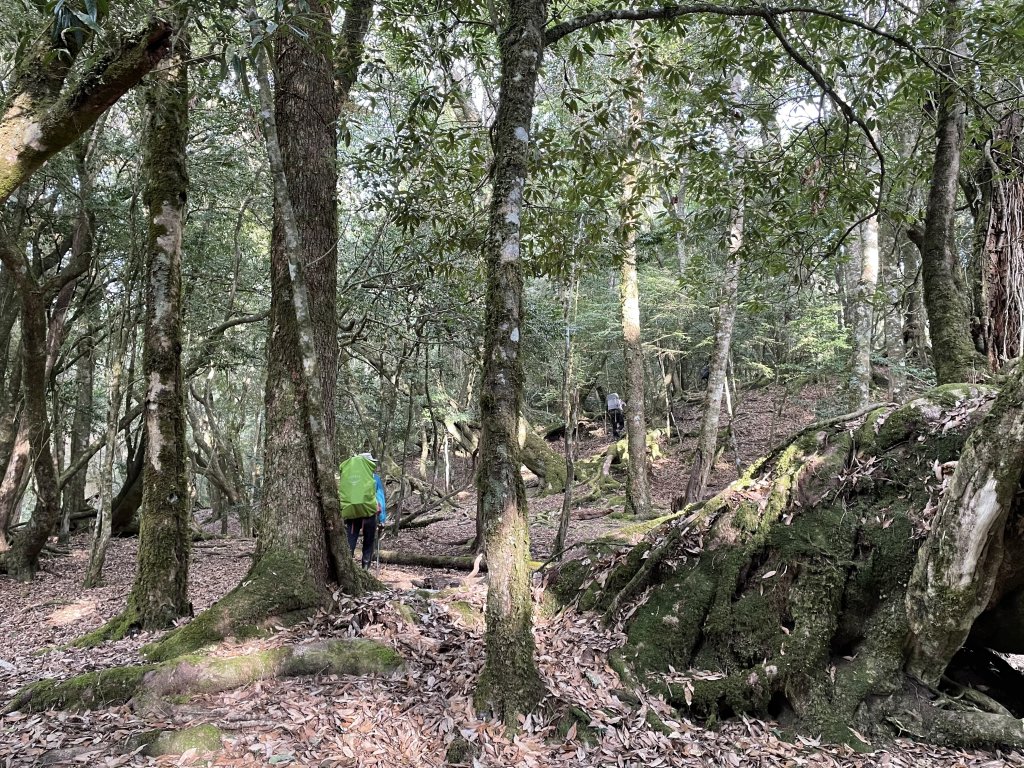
{"points": [[569, 405], [895, 349], [862, 328], [958, 565], [118, 345], [43, 117], [510, 683], [638, 487], [73, 492], [952, 349], [703, 459], [1000, 242], [159, 595]]}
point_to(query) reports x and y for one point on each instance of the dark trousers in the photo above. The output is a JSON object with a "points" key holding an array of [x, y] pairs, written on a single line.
{"points": [[618, 421], [368, 525]]}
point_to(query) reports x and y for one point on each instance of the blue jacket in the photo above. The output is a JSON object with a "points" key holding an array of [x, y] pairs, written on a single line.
{"points": [[381, 504]]}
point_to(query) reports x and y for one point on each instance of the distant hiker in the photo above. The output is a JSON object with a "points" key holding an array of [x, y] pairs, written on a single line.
{"points": [[705, 371], [362, 502], [615, 405]]}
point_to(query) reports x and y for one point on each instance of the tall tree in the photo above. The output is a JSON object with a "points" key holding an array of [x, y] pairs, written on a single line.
{"points": [[952, 349], [638, 487], [510, 682], [707, 442], [160, 593], [301, 542]]}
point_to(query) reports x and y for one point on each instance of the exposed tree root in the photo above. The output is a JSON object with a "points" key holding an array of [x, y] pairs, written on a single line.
{"points": [[785, 595], [192, 675], [277, 591]]}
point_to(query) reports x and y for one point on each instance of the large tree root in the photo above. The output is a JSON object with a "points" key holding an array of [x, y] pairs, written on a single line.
{"points": [[785, 595], [192, 675], [277, 591]]}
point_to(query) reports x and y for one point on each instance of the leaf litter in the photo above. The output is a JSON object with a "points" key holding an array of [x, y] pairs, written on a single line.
{"points": [[408, 719], [412, 717]]}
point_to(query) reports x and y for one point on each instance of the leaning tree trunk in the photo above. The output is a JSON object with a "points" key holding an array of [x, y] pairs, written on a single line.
{"points": [[159, 595], [952, 349], [510, 682], [703, 458]]}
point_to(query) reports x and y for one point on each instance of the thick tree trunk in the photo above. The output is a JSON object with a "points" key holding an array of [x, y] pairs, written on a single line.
{"points": [[42, 117], [958, 565], [1000, 242], [703, 459], [159, 595], [510, 683], [952, 349]]}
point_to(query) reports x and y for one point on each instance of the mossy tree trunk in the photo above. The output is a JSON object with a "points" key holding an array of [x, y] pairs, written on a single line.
{"points": [[794, 594], [42, 116], [953, 352], [159, 595], [301, 545], [510, 682]]}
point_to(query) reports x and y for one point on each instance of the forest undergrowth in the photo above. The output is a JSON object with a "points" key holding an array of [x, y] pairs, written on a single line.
{"points": [[422, 714]]}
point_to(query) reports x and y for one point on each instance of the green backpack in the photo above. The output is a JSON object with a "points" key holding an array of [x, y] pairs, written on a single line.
{"points": [[357, 489]]}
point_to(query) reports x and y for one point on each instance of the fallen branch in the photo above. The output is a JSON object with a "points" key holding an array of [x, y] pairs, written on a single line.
{"points": [[451, 562]]}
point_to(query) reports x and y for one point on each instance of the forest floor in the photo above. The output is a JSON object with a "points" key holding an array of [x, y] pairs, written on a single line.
{"points": [[410, 718]]}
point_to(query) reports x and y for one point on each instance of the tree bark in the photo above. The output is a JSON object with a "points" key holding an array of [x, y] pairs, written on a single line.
{"points": [[957, 567], [118, 345], [638, 487], [159, 595], [952, 349], [510, 682], [863, 315], [43, 117], [703, 459]]}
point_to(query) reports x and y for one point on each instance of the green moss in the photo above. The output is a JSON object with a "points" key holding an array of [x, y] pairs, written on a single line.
{"points": [[89, 691], [461, 751], [117, 628], [351, 656], [632, 533], [205, 739], [278, 589], [574, 716], [407, 613], [470, 615]]}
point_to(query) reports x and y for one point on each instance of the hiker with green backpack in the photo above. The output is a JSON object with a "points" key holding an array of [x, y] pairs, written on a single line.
{"points": [[362, 502]]}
